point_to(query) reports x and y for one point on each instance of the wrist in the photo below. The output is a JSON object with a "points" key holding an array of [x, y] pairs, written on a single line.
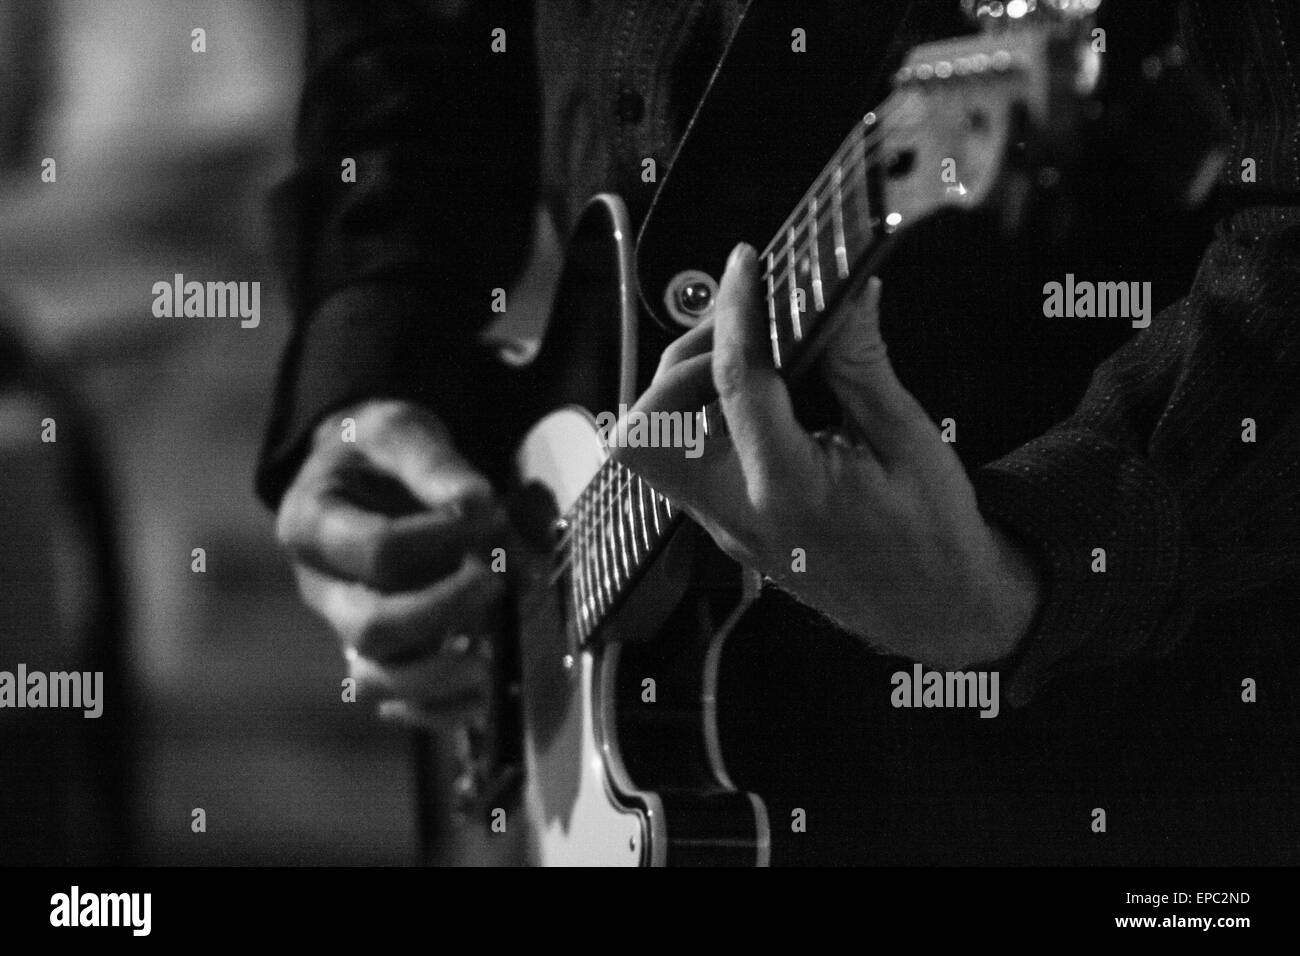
{"points": [[1016, 592]]}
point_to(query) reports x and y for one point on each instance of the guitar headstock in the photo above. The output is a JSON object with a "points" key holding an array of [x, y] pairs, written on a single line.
{"points": [[990, 115]]}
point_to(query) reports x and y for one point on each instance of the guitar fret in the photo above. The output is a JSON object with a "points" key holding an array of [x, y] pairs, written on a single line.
{"points": [[618, 528], [640, 504], [837, 224], [640, 549], [607, 569], [583, 557], [571, 555], [864, 204], [815, 256], [593, 549], [611, 535], [654, 513], [791, 243], [771, 310], [590, 568], [627, 522], [622, 572]]}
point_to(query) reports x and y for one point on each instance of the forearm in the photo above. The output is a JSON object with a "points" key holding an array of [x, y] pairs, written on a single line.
{"points": [[405, 209], [1167, 469]]}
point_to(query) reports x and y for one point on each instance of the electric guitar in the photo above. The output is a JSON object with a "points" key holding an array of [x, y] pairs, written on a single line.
{"points": [[603, 748]]}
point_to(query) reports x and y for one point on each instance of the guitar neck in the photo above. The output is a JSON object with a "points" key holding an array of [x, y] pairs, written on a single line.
{"points": [[619, 522], [941, 140], [815, 256]]}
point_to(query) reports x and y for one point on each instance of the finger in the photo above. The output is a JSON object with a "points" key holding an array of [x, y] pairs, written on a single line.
{"points": [[859, 373], [321, 527], [439, 718], [453, 685], [685, 388], [703, 474], [394, 628], [774, 451], [697, 341], [414, 445]]}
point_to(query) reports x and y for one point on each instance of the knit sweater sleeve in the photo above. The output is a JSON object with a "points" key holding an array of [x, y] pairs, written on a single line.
{"points": [[1176, 482]]}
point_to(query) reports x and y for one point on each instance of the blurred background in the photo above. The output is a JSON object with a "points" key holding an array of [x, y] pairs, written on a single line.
{"points": [[224, 693]]}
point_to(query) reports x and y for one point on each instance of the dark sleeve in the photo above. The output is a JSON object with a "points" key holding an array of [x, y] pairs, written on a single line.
{"points": [[390, 276], [1153, 467]]}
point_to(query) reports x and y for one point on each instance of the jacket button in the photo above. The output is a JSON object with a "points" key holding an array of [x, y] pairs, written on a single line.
{"points": [[630, 107]]}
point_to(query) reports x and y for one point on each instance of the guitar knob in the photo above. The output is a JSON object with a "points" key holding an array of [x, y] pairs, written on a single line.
{"points": [[689, 297]]}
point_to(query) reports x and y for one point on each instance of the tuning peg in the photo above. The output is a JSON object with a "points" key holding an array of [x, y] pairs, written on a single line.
{"points": [[987, 13]]}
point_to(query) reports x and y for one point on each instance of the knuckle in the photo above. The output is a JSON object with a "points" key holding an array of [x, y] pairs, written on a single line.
{"points": [[766, 499], [730, 374], [382, 637], [398, 414], [381, 411], [384, 420], [372, 680], [327, 430], [471, 490], [349, 612], [673, 354], [776, 520], [384, 558], [371, 637], [298, 513]]}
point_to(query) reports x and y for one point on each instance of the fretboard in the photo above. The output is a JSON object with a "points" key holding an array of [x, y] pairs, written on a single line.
{"points": [[810, 261], [616, 525], [619, 522], [940, 140]]}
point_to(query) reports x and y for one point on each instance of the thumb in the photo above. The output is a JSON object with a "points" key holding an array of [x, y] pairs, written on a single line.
{"points": [[858, 371], [412, 444]]}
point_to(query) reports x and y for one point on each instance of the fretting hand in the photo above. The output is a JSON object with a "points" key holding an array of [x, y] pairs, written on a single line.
{"points": [[894, 546]]}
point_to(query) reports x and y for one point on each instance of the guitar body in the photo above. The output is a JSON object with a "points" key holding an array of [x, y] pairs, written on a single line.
{"points": [[621, 759]]}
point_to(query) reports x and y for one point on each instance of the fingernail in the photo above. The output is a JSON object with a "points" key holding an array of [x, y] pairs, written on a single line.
{"points": [[743, 254]]}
